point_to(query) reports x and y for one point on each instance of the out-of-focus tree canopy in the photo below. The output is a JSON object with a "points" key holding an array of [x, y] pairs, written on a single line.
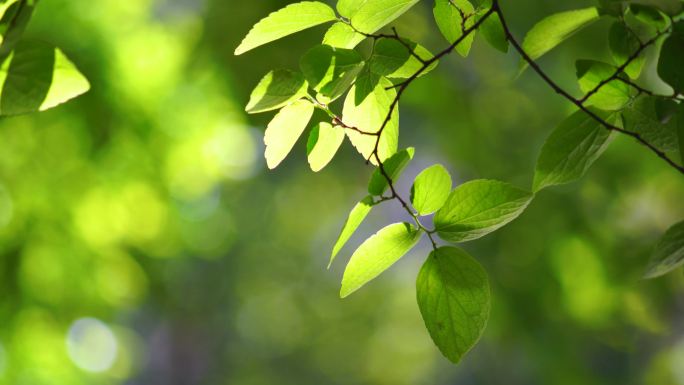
{"points": [[143, 241]]}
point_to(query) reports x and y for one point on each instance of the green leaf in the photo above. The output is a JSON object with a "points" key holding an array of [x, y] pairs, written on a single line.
{"points": [[324, 140], [393, 59], [356, 216], [284, 130], [669, 252], [554, 29], [493, 32], [365, 108], [430, 189], [642, 117], [370, 15], [479, 207], [330, 71], [680, 130], [571, 149], [37, 76], [623, 43], [377, 254], [393, 166], [454, 299], [671, 61], [648, 15], [277, 89], [342, 35], [347, 8], [286, 21], [15, 18], [610, 96], [450, 22]]}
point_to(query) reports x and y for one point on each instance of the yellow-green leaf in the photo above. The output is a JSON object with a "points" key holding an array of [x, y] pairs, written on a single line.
{"points": [[284, 130]]}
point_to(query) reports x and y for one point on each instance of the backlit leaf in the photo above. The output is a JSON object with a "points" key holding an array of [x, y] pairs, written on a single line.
{"points": [[454, 299], [554, 29], [356, 216], [286, 21], [37, 76], [284, 130], [393, 59], [365, 108], [623, 44], [479, 207], [449, 17], [669, 252], [377, 254], [571, 149], [610, 96], [322, 145], [393, 166], [276, 89], [430, 189]]}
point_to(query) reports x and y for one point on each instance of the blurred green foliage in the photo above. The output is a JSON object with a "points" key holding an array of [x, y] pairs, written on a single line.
{"points": [[143, 242]]}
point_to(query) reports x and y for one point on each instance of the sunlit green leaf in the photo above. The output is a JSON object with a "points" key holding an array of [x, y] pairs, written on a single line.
{"points": [[642, 117], [356, 216], [37, 76], [365, 108], [671, 60], [476, 208], [493, 32], [449, 17], [610, 96], [571, 149], [324, 140], [284, 130], [286, 21], [370, 15], [430, 189], [669, 252], [15, 18], [554, 29], [393, 59], [393, 166], [276, 89], [342, 35], [454, 299], [648, 14], [623, 44], [377, 254], [330, 71]]}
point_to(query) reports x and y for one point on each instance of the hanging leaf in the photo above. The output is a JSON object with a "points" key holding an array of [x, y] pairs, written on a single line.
{"points": [[479, 207], [393, 166], [37, 76], [286, 21], [324, 140], [377, 254], [275, 90], [449, 15], [554, 29], [612, 95], [356, 216], [454, 299], [623, 43], [669, 253], [284, 130], [366, 107], [394, 59], [342, 35], [430, 189], [571, 149]]}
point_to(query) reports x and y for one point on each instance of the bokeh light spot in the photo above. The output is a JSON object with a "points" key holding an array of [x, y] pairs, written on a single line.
{"points": [[91, 345]]}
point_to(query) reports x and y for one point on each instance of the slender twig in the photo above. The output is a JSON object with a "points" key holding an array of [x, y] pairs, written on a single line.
{"points": [[533, 64]]}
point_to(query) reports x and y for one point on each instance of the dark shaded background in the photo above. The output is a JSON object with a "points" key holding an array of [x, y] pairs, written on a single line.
{"points": [[142, 240]]}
